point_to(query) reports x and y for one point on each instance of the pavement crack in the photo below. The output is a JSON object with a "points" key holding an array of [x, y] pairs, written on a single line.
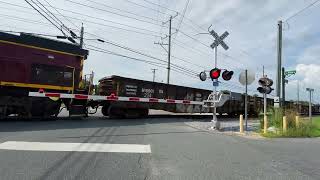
{"points": [[187, 157], [139, 161]]}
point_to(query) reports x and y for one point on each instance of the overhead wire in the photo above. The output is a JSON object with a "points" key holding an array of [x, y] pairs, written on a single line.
{"points": [[144, 54], [85, 15], [184, 47], [45, 17], [101, 24], [166, 8], [137, 59], [62, 14], [115, 13], [300, 11], [27, 20], [50, 14], [121, 10], [181, 20]]}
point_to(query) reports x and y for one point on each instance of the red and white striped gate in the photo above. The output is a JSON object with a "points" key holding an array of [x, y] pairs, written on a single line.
{"points": [[113, 98]]}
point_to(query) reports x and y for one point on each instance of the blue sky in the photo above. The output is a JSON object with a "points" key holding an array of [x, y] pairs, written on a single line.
{"points": [[252, 26]]}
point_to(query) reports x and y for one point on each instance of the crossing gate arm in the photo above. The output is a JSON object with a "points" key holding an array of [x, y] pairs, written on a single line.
{"points": [[114, 98]]}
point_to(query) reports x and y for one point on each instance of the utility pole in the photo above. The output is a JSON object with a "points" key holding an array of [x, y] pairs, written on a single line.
{"points": [[310, 103], [168, 44], [279, 59], [81, 36], [154, 74]]}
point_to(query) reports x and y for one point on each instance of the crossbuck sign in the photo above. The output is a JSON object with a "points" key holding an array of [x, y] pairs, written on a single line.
{"points": [[219, 40]]}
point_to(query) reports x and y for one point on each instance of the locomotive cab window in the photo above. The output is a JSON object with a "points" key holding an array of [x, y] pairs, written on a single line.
{"points": [[51, 75]]}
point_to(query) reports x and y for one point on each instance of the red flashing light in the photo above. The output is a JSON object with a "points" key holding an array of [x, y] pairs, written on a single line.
{"points": [[215, 73]]}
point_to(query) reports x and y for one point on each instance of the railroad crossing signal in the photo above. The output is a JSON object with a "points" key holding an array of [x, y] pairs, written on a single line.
{"points": [[219, 40], [215, 74], [265, 84]]}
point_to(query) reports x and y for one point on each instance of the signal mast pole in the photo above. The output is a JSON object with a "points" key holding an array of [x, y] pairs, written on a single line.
{"points": [[264, 106], [214, 117]]}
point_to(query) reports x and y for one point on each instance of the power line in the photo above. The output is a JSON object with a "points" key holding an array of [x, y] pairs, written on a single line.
{"points": [[145, 7], [93, 17], [164, 13], [205, 45], [183, 14], [137, 59], [135, 14], [61, 14], [117, 54], [160, 6], [204, 54], [130, 17], [101, 24], [300, 11], [50, 14], [143, 54], [27, 20], [44, 16]]}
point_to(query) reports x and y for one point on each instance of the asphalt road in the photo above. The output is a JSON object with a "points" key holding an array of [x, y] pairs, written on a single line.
{"points": [[178, 151]]}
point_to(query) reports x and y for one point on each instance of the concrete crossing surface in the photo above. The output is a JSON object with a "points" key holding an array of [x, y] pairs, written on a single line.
{"points": [[157, 148]]}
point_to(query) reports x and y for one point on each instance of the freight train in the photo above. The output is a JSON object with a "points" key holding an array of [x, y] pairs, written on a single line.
{"points": [[38, 75]]}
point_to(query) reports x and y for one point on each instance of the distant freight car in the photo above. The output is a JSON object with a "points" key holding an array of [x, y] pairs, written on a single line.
{"points": [[128, 87], [122, 86]]}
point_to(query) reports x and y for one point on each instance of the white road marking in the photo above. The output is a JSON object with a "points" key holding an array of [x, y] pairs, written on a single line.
{"points": [[78, 147]]}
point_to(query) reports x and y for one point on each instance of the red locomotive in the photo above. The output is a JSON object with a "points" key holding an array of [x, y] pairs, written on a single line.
{"points": [[32, 63]]}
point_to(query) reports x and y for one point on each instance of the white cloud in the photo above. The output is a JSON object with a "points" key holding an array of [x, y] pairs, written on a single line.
{"points": [[309, 74], [311, 55], [308, 77]]}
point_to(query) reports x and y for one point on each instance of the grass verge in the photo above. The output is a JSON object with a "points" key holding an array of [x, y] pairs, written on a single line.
{"points": [[305, 128]]}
